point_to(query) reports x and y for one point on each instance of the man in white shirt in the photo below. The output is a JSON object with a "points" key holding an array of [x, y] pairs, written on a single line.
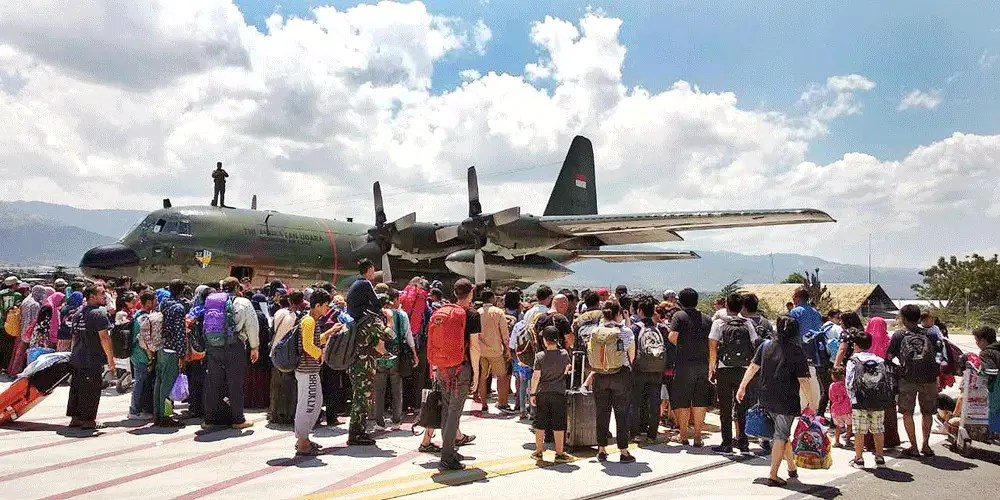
{"points": [[727, 377]]}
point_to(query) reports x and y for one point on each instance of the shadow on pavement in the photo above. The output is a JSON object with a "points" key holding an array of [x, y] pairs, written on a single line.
{"points": [[893, 475], [632, 470], [815, 490], [948, 463]]}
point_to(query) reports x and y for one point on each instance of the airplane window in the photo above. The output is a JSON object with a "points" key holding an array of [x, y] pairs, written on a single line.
{"points": [[171, 227], [159, 226], [184, 228]]}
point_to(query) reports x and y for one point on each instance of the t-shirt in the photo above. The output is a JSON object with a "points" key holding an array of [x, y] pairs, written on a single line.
{"points": [[88, 353], [781, 365], [692, 329], [840, 401], [552, 365], [473, 326], [809, 319], [495, 334], [716, 332], [930, 373]]}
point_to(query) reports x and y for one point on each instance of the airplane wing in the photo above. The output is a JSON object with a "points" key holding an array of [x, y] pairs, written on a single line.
{"points": [[663, 226], [614, 256]]}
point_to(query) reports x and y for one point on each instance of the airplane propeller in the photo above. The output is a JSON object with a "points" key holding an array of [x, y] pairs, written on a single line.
{"points": [[383, 232], [475, 229]]}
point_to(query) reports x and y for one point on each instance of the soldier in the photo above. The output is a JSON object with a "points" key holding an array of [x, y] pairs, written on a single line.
{"points": [[362, 301], [219, 177]]}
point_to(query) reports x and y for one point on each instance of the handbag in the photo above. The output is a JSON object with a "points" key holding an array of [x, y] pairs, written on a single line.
{"points": [[759, 423], [430, 411]]}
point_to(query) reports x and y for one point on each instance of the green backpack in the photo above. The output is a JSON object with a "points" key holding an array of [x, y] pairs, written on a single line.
{"points": [[605, 351], [393, 347]]}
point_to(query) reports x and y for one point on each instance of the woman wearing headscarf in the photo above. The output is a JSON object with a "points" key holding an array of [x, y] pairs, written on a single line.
{"points": [[194, 367], [879, 332], [257, 384], [30, 307], [65, 334], [48, 316]]}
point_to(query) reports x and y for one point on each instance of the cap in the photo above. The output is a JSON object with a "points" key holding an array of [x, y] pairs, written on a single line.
{"points": [[621, 290], [603, 292], [10, 280], [551, 334], [60, 282], [669, 294]]}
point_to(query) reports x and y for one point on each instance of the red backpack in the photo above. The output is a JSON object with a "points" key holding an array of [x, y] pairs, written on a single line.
{"points": [[446, 337], [414, 301]]}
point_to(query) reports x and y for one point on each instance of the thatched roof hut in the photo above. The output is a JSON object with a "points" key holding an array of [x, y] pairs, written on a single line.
{"points": [[868, 299]]}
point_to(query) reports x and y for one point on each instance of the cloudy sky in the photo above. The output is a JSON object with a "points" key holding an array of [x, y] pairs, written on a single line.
{"points": [[883, 113]]}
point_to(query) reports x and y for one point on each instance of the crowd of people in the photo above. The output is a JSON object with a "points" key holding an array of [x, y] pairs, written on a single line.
{"points": [[653, 362]]}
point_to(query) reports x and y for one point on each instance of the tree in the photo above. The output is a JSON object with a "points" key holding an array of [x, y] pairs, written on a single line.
{"points": [[950, 278], [795, 278]]}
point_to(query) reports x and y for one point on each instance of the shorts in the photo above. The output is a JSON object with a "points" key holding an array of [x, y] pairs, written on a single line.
{"points": [[912, 392], [495, 366], [865, 421], [550, 411], [782, 426], [842, 420], [691, 388]]}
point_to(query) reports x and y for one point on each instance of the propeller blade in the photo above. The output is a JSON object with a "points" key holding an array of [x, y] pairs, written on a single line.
{"points": [[507, 216], [480, 267], [474, 207], [379, 207], [386, 269], [405, 222], [358, 242], [446, 233]]}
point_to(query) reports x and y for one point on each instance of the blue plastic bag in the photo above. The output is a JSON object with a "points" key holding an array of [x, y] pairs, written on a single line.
{"points": [[759, 423], [33, 354], [180, 390]]}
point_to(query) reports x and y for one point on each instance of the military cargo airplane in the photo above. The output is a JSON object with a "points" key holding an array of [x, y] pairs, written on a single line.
{"points": [[202, 244]]}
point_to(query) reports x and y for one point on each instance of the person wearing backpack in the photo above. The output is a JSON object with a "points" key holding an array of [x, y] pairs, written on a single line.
{"points": [[387, 375], [731, 346], [810, 323], [647, 373], [230, 324], [309, 398], [147, 326], [870, 384], [692, 392], [610, 352], [919, 355], [451, 331], [169, 359]]}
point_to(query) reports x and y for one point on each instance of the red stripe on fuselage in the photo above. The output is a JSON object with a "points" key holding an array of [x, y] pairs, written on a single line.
{"points": [[333, 246]]}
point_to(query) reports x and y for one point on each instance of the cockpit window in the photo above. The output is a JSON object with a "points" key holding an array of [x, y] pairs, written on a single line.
{"points": [[184, 228], [170, 227], [158, 227]]}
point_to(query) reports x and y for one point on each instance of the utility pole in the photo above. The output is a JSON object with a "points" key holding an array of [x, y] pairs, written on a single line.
{"points": [[772, 267]]}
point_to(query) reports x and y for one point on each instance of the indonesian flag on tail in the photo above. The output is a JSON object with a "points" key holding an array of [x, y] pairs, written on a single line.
{"points": [[581, 181]]}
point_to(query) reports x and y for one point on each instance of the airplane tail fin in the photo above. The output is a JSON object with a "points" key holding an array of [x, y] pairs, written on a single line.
{"points": [[575, 191]]}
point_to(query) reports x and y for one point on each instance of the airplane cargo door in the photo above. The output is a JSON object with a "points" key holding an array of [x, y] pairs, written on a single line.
{"points": [[240, 272]]}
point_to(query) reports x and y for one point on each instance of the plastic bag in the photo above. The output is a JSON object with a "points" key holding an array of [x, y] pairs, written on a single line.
{"points": [[180, 390], [33, 354], [811, 445], [759, 423]]}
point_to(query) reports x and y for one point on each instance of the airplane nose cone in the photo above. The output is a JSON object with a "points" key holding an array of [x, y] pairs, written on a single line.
{"points": [[108, 257]]}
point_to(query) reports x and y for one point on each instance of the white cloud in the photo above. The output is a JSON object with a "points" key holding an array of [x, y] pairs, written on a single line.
{"points": [[987, 60], [309, 113], [920, 99], [481, 36]]}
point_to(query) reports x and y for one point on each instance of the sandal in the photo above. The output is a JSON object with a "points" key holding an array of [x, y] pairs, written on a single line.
{"points": [[927, 452], [793, 474], [911, 453], [678, 440], [602, 456], [698, 443], [466, 439], [776, 482], [537, 456]]}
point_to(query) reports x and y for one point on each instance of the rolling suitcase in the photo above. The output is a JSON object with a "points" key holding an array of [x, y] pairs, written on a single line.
{"points": [[25, 393], [581, 408]]}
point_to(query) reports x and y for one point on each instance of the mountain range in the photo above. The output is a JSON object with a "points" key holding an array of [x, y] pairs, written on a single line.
{"points": [[38, 233]]}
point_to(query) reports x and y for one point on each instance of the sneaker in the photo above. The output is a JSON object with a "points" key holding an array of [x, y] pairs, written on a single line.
{"points": [[879, 462], [168, 423], [858, 463], [744, 448], [246, 424], [133, 416], [723, 450], [506, 410], [563, 458], [146, 416], [451, 465], [626, 458], [537, 456], [429, 448]]}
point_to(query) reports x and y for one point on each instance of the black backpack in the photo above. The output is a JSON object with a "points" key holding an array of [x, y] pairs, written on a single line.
{"points": [[651, 352], [873, 383], [735, 348], [917, 357]]}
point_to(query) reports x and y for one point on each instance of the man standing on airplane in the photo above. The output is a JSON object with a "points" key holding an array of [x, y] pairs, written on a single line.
{"points": [[219, 177]]}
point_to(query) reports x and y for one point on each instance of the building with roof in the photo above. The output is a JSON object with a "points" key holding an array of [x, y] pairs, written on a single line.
{"points": [[868, 299]]}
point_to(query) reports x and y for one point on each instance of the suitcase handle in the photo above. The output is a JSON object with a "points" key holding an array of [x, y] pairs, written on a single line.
{"points": [[573, 382]]}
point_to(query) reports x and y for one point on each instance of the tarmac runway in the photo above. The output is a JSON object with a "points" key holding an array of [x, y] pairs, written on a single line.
{"points": [[40, 458]]}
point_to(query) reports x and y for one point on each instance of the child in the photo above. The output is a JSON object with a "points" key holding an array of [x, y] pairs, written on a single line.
{"points": [[840, 407], [869, 386], [548, 394]]}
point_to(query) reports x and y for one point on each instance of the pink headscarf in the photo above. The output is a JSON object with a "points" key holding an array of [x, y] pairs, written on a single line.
{"points": [[55, 302], [880, 336]]}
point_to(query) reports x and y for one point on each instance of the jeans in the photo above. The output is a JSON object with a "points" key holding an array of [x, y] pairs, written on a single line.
{"points": [[385, 377], [454, 384], [611, 392], [523, 389], [226, 368], [142, 389], [166, 375], [727, 382], [645, 404]]}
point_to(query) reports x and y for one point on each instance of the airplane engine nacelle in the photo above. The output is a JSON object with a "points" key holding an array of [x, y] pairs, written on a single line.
{"points": [[529, 268]]}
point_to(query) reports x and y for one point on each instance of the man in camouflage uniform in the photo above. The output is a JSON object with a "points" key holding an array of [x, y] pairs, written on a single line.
{"points": [[361, 300]]}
